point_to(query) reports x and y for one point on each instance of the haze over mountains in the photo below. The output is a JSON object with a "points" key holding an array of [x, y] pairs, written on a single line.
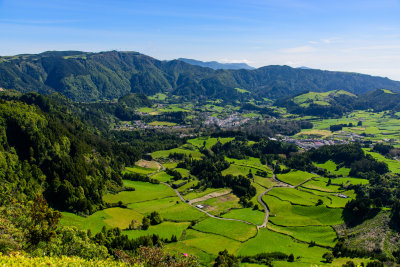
{"points": [[84, 76], [217, 65]]}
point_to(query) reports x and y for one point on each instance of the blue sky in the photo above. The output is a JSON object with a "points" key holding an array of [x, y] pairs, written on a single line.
{"points": [[352, 35]]}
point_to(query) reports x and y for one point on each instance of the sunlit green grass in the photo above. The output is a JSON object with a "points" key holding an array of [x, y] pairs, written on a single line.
{"points": [[231, 229], [284, 213], [143, 192]]}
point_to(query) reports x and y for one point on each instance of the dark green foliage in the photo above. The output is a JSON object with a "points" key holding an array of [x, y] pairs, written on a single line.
{"points": [[291, 258], [375, 264], [113, 239], [358, 210], [107, 75], [139, 177], [43, 147], [349, 264], [395, 215], [145, 223], [328, 256], [225, 259], [382, 148], [208, 170], [155, 218], [267, 258], [334, 128]]}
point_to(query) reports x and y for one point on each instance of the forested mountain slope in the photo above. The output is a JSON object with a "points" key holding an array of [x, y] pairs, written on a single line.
{"points": [[53, 146], [85, 76]]}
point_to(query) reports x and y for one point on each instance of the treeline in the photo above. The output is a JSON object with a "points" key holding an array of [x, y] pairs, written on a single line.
{"points": [[239, 149]]}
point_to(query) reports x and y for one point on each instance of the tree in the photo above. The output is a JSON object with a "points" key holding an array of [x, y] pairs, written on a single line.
{"points": [[132, 225], [291, 258], [349, 264], [225, 259], [155, 218], [145, 223], [328, 256], [43, 221]]}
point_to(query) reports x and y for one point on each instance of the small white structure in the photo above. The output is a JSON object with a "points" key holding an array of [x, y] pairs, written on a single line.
{"points": [[199, 206], [343, 196]]}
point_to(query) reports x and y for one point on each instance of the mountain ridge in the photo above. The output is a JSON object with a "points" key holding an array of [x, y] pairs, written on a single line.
{"points": [[87, 76]]}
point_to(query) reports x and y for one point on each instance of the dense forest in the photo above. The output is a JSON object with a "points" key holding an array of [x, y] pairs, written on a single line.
{"points": [[85, 76], [45, 149]]}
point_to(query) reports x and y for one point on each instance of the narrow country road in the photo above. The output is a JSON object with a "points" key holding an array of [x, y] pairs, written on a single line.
{"points": [[279, 183], [260, 200], [205, 212]]}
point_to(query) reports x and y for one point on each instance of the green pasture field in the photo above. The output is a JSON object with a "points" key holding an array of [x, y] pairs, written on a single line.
{"points": [[164, 230], [331, 200], [295, 177], [259, 190], [146, 110], [162, 123], [269, 241], [296, 196], [170, 164], [221, 204], [232, 229], [172, 108], [141, 170], [322, 235], [210, 142], [183, 172], [267, 182], [196, 194], [210, 243], [181, 212], [158, 96], [284, 213], [251, 115], [121, 217], [349, 180], [94, 222], [321, 184], [143, 192], [242, 90], [237, 170], [162, 177], [246, 214], [251, 162], [180, 247], [165, 153], [331, 167], [146, 207], [187, 186], [112, 217]]}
